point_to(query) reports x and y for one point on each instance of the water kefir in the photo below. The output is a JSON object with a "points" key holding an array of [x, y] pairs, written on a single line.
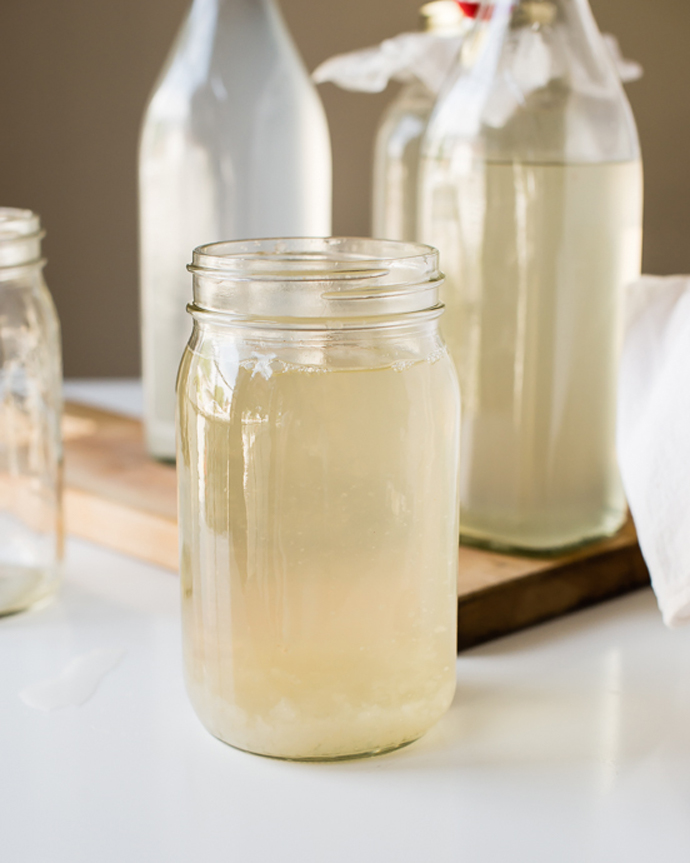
{"points": [[29, 563], [30, 511], [319, 552], [536, 259], [23, 586]]}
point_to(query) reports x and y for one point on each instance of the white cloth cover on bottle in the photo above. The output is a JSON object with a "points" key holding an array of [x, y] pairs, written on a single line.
{"points": [[654, 434], [426, 57], [429, 58]]}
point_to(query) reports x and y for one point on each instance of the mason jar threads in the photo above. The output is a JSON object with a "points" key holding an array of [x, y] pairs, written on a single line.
{"points": [[31, 538], [318, 425]]}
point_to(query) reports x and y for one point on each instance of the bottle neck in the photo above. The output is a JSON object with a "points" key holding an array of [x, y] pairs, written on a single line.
{"points": [[537, 84], [225, 11], [575, 15], [231, 5], [230, 27], [538, 8]]}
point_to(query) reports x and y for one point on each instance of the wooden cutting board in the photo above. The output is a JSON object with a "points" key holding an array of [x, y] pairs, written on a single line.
{"points": [[118, 497]]}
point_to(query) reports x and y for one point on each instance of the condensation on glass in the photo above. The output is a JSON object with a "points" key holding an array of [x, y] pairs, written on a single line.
{"points": [[318, 423], [532, 192], [30, 412]]}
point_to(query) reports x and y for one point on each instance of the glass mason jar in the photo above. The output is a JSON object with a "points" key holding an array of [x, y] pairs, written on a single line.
{"points": [[30, 411], [532, 192], [318, 423]]}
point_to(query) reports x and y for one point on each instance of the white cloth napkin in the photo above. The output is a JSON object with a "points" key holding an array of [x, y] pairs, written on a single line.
{"points": [[654, 434]]}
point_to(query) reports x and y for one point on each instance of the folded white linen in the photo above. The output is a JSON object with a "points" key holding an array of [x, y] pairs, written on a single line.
{"points": [[654, 434], [426, 57], [429, 57]]}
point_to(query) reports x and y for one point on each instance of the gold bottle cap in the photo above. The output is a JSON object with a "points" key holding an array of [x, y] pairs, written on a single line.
{"points": [[536, 12], [443, 16]]}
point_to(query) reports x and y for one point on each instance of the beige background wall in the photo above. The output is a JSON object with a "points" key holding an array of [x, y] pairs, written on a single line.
{"points": [[75, 77]]}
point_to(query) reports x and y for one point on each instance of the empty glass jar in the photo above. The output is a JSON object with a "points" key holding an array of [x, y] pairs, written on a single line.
{"points": [[30, 411], [318, 423]]}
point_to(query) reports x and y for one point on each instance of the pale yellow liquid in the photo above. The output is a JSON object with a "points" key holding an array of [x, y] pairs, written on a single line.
{"points": [[31, 537], [319, 552], [536, 259], [24, 586]]}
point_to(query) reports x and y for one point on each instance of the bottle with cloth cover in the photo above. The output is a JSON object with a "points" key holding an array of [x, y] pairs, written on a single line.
{"points": [[531, 188], [400, 130]]}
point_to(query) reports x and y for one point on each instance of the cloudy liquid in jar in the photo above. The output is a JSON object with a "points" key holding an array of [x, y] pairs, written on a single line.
{"points": [[536, 258], [31, 543], [319, 552]]}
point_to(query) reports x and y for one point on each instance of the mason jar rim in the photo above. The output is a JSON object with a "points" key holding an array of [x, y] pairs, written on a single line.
{"points": [[18, 224], [20, 238], [247, 254], [304, 278]]}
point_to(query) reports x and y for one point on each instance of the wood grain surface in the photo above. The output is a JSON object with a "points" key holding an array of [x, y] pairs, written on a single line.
{"points": [[115, 494], [118, 497]]}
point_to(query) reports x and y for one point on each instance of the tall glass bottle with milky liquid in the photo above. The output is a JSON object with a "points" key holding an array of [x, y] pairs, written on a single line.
{"points": [[234, 144], [532, 191]]}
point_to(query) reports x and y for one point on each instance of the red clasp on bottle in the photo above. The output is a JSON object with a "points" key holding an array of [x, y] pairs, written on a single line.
{"points": [[470, 9]]}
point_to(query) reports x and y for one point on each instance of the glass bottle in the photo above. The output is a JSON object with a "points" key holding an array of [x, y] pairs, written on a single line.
{"points": [[399, 136], [31, 537], [234, 144], [317, 470], [532, 191]]}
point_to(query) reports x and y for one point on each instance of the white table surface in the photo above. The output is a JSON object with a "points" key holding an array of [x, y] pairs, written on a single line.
{"points": [[568, 742]]}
